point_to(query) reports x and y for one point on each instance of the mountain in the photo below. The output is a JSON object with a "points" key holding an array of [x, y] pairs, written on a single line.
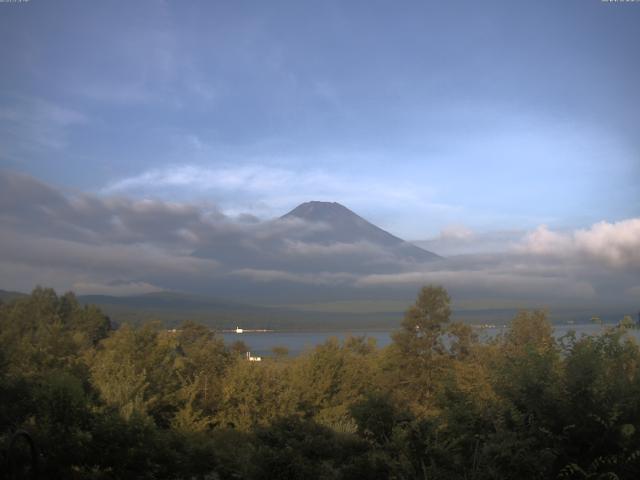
{"points": [[173, 308], [345, 226], [315, 237], [164, 300], [8, 295]]}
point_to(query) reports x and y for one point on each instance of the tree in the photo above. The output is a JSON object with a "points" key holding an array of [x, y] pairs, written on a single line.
{"points": [[329, 379], [138, 370], [255, 394], [43, 332], [424, 323], [202, 365], [418, 349]]}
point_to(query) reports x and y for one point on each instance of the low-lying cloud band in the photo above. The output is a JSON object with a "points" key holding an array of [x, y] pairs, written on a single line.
{"points": [[118, 245]]}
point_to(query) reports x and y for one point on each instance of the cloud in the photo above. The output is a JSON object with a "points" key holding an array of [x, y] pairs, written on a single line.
{"points": [[266, 191], [456, 232], [255, 179], [29, 124], [246, 177], [158, 243], [132, 260], [490, 282], [117, 244], [597, 264], [461, 240], [31, 206], [358, 248], [116, 289], [320, 278], [107, 239], [613, 244]]}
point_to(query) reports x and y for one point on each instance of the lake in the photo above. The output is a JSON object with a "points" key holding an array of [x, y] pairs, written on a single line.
{"points": [[297, 342]]}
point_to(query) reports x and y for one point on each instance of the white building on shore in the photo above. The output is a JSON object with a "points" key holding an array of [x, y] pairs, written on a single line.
{"points": [[253, 359]]}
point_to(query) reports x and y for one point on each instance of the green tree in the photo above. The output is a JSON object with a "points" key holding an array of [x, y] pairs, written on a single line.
{"points": [[418, 353], [330, 378], [137, 371], [43, 332], [201, 364], [255, 394]]}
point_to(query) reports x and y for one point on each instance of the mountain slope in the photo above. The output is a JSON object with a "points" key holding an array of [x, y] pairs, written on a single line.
{"points": [[316, 237], [172, 309], [8, 295], [345, 226]]}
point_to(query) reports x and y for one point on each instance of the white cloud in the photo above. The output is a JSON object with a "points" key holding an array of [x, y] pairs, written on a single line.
{"points": [[250, 177], [255, 178], [543, 241], [268, 191], [617, 243], [456, 232], [614, 244]]}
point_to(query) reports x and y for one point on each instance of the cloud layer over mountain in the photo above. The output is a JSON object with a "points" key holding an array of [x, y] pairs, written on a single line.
{"points": [[115, 244]]}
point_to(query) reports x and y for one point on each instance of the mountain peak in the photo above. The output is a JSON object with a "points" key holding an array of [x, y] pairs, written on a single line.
{"points": [[316, 210]]}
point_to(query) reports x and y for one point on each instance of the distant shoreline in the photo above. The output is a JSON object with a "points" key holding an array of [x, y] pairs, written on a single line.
{"points": [[364, 330]]}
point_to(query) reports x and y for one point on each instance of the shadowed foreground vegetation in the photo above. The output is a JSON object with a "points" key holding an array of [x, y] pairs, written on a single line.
{"points": [[146, 403]]}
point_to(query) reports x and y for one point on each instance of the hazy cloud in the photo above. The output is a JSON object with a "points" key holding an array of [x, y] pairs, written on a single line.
{"points": [[299, 248], [461, 240], [320, 278], [129, 260], [32, 206], [35, 125], [490, 282], [633, 292], [114, 288]]}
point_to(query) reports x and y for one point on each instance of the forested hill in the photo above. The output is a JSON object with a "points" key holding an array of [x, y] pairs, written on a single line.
{"points": [[7, 295], [144, 402], [174, 308]]}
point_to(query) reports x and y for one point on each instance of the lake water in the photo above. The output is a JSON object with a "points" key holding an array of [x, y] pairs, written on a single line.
{"points": [[297, 342]]}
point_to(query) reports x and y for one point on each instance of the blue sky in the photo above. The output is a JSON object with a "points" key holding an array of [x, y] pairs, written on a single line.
{"points": [[491, 116]]}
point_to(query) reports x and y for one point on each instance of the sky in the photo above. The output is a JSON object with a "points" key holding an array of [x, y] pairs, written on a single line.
{"points": [[491, 115], [468, 127]]}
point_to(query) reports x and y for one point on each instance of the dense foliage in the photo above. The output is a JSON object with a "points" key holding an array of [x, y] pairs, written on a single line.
{"points": [[149, 403]]}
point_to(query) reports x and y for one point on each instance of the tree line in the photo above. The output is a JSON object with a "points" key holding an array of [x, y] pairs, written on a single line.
{"points": [[145, 402]]}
